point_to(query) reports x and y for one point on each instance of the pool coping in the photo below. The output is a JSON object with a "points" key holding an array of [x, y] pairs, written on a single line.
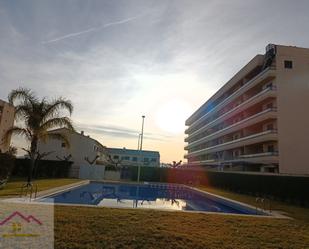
{"points": [[60, 189], [235, 204]]}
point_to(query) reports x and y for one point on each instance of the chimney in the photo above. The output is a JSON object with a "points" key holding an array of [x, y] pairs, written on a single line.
{"points": [[82, 133]]}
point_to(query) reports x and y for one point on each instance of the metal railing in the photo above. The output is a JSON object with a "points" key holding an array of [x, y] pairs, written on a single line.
{"points": [[207, 149], [238, 107], [29, 189], [234, 94], [261, 204], [228, 127]]}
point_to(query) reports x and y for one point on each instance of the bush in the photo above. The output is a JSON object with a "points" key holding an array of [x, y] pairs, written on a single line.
{"points": [[43, 169], [6, 165], [294, 189]]}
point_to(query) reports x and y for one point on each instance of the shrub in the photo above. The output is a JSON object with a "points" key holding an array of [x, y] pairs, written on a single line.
{"points": [[43, 169], [6, 165], [294, 189]]}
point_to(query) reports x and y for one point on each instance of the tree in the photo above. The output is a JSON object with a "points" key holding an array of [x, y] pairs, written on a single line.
{"points": [[93, 161], [175, 165], [116, 163], [37, 118]]}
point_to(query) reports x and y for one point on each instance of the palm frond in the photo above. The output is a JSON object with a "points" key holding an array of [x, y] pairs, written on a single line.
{"points": [[24, 94], [23, 111], [57, 122], [56, 105], [16, 131]]}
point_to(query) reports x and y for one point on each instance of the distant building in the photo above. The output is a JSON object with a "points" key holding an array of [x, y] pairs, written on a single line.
{"points": [[259, 119], [83, 150], [128, 157], [7, 112]]}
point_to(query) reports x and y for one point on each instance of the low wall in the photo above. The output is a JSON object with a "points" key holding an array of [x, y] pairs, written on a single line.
{"points": [[92, 172]]}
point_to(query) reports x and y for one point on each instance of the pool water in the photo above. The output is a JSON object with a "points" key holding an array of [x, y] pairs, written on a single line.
{"points": [[154, 196]]}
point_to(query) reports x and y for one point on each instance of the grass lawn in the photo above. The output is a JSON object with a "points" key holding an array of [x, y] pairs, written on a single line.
{"points": [[296, 212], [82, 227], [13, 187]]}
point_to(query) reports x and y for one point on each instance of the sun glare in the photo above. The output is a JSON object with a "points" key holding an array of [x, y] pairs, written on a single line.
{"points": [[172, 115]]}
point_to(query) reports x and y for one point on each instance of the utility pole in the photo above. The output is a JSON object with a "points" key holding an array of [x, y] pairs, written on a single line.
{"points": [[140, 149]]}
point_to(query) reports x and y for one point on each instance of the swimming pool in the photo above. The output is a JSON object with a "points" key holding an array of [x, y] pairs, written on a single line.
{"points": [[148, 195]]}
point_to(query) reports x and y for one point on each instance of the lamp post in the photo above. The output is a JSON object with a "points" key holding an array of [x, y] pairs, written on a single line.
{"points": [[138, 142], [140, 149]]}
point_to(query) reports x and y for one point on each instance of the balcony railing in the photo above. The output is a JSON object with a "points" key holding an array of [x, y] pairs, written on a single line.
{"points": [[275, 153], [226, 129], [243, 139], [236, 158], [227, 100], [225, 115]]}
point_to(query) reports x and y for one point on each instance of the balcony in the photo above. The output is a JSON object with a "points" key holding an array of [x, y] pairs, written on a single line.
{"points": [[266, 93], [263, 158], [269, 72], [270, 113], [270, 135]]}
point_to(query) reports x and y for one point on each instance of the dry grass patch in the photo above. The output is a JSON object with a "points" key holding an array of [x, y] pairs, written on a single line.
{"points": [[82, 227], [13, 188]]}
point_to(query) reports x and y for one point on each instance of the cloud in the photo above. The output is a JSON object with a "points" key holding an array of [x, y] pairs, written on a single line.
{"points": [[121, 132]]}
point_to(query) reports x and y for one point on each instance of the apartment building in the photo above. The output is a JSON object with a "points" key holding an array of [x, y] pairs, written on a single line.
{"points": [[128, 157], [6, 122], [83, 150], [258, 120]]}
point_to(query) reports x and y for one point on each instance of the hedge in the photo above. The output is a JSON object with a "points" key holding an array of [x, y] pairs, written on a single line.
{"points": [[6, 165], [43, 169], [294, 189]]}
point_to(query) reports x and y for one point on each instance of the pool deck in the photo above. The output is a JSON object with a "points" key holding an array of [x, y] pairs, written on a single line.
{"points": [[224, 200]]}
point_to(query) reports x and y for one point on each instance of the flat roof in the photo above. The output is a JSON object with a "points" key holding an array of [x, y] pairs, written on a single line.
{"points": [[131, 151]]}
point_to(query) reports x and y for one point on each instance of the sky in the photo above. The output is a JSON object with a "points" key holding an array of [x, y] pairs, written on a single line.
{"points": [[117, 60]]}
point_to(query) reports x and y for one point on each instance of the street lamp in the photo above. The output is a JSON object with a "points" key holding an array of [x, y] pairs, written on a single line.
{"points": [[140, 149]]}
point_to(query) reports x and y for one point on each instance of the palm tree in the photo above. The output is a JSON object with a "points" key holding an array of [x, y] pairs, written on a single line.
{"points": [[38, 117]]}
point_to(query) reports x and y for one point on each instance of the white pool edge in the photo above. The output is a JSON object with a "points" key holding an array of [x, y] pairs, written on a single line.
{"points": [[221, 199]]}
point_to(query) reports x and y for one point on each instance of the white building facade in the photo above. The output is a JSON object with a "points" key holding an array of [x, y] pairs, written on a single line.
{"points": [[83, 150], [258, 120], [128, 157]]}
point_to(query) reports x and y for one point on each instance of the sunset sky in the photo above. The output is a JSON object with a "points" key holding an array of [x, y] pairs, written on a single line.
{"points": [[120, 59]]}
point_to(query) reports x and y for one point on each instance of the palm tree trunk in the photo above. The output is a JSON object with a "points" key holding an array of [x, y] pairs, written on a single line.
{"points": [[34, 144]]}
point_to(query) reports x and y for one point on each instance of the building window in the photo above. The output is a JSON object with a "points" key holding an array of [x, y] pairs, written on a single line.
{"points": [[270, 127], [125, 158], [116, 157], [235, 136], [146, 160], [288, 64], [269, 105], [63, 145], [270, 148], [153, 160], [236, 153], [268, 85], [134, 159]]}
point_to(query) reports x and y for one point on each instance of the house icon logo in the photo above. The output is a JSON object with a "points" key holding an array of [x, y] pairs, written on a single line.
{"points": [[19, 225]]}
